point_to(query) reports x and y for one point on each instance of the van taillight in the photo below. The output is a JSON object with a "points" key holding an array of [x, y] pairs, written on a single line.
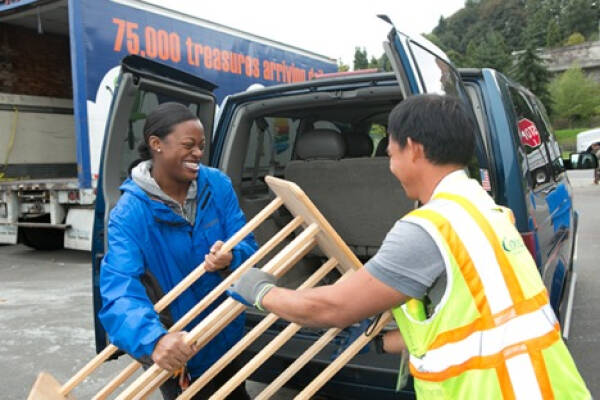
{"points": [[529, 240]]}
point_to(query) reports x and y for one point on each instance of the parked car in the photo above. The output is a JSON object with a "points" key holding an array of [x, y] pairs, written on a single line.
{"points": [[586, 139], [328, 136]]}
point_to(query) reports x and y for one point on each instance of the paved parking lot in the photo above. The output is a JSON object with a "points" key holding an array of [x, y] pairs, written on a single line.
{"points": [[46, 310], [46, 322]]}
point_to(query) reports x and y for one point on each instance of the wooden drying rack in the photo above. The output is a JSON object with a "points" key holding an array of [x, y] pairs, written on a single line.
{"points": [[316, 232]]}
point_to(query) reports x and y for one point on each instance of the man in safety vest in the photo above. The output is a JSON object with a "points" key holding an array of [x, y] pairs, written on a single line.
{"points": [[487, 329]]}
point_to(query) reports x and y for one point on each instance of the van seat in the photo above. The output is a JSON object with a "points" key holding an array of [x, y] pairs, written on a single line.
{"points": [[359, 197], [358, 144], [320, 144], [381, 150]]}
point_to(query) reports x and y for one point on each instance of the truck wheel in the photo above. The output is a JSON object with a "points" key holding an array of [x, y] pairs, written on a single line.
{"points": [[42, 238]]}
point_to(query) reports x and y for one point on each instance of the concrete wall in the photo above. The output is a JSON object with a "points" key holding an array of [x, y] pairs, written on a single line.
{"points": [[34, 64], [586, 55]]}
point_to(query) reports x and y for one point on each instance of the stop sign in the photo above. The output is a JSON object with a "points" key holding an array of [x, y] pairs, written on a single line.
{"points": [[529, 134]]}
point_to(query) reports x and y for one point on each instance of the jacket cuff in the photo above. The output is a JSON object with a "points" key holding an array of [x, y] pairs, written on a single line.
{"points": [[149, 342], [236, 261]]}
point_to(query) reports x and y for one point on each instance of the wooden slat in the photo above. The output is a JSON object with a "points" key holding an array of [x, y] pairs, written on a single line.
{"points": [[117, 381], [250, 337], [279, 268], [88, 368], [304, 358], [328, 239], [207, 300], [297, 365], [256, 361], [156, 376], [46, 388], [227, 246], [175, 292], [343, 359], [318, 232], [216, 321]]}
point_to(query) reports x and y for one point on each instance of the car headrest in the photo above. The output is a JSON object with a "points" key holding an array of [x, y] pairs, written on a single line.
{"points": [[320, 144], [358, 144]]}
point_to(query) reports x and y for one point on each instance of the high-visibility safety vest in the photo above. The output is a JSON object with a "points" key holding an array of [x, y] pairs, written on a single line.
{"points": [[493, 335]]}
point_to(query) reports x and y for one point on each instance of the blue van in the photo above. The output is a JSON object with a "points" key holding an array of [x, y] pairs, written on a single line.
{"points": [[328, 136]]}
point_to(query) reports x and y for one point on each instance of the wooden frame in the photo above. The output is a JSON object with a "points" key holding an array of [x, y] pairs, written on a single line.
{"points": [[316, 232]]}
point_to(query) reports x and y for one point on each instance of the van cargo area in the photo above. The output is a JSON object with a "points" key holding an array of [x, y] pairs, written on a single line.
{"points": [[332, 142]]}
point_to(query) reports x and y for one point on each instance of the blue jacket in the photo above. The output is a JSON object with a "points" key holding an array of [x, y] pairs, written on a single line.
{"points": [[145, 235]]}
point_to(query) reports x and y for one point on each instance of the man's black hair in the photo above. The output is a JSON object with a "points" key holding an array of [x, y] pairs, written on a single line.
{"points": [[441, 124]]}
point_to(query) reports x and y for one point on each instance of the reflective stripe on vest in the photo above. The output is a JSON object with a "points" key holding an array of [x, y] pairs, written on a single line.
{"points": [[511, 331], [505, 338]]}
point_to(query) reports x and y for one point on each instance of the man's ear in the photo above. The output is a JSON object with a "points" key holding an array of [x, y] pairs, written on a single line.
{"points": [[416, 149]]}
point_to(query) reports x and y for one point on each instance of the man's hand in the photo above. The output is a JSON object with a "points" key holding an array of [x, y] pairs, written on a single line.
{"points": [[217, 260], [171, 352], [393, 342], [252, 287]]}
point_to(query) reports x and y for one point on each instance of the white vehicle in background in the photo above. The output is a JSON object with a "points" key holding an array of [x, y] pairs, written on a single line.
{"points": [[586, 139]]}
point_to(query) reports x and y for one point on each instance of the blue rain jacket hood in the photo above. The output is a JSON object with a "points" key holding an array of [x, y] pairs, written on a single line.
{"points": [[145, 235]]}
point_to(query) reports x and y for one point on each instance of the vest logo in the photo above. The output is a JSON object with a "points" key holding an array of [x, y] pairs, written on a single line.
{"points": [[512, 245]]}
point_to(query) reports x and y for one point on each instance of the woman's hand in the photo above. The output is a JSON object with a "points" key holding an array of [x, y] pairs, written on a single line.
{"points": [[217, 260], [171, 352]]}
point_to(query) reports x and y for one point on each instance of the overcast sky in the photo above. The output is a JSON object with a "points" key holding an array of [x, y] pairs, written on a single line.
{"points": [[329, 27]]}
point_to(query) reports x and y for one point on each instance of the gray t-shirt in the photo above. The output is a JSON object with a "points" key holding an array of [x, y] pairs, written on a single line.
{"points": [[410, 262]]}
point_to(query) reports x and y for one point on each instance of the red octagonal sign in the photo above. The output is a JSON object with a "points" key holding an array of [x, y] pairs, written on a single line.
{"points": [[529, 134]]}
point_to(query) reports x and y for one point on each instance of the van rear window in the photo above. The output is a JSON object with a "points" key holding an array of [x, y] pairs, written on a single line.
{"points": [[437, 76]]}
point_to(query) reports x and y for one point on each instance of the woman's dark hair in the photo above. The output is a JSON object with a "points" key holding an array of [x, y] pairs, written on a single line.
{"points": [[160, 122], [441, 124]]}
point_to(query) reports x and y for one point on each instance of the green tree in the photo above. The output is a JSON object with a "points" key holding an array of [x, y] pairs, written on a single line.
{"points": [[536, 31], [374, 63], [553, 36], [342, 67], [360, 58], [519, 23], [456, 31], [529, 71], [491, 52], [575, 38], [457, 59], [384, 63], [514, 21], [580, 16], [575, 97], [432, 37]]}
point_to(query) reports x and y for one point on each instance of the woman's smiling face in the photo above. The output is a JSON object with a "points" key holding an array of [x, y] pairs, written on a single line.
{"points": [[178, 154]]}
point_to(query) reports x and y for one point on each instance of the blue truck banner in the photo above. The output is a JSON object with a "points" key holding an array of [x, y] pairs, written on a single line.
{"points": [[8, 4], [102, 32]]}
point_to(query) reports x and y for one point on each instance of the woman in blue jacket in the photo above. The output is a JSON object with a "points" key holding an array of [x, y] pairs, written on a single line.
{"points": [[173, 215]]}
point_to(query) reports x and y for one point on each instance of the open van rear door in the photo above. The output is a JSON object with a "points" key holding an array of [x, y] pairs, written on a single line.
{"points": [[420, 66], [142, 85]]}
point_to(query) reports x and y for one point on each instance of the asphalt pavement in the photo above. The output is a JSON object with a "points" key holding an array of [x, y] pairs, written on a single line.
{"points": [[46, 310], [584, 336]]}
